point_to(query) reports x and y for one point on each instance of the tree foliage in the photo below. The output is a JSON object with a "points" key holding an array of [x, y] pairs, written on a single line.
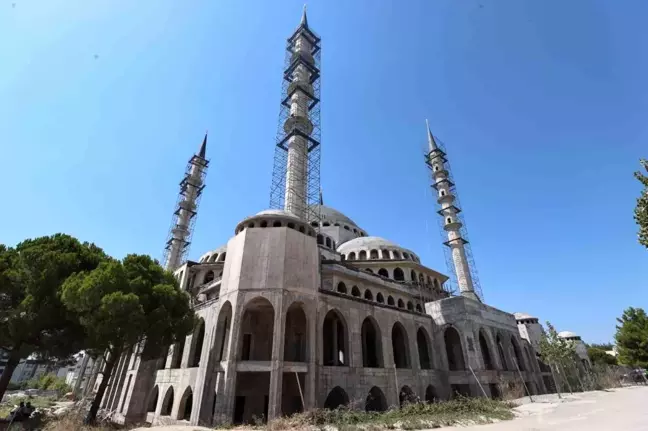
{"points": [[128, 303], [32, 318], [598, 356], [632, 338], [554, 349], [641, 210]]}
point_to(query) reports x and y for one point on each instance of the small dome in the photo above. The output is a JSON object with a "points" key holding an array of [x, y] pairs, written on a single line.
{"points": [[524, 316], [212, 256], [332, 215], [369, 243], [567, 334]]}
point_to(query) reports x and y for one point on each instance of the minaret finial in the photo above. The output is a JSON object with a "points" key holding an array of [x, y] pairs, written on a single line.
{"points": [[203, 147], [431, 142], [304, 20]]}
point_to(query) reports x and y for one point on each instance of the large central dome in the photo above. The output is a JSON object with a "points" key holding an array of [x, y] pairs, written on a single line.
{"points": [[331, 215]]}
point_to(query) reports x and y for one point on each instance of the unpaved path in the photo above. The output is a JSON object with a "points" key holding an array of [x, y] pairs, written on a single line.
{"points": [[615, 410]]}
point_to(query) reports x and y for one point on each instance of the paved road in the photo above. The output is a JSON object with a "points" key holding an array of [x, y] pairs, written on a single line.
{"points": [[618, 410]]}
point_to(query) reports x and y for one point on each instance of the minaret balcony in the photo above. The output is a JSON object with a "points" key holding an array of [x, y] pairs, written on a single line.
{"points": [[452, 226], [303, 124]]}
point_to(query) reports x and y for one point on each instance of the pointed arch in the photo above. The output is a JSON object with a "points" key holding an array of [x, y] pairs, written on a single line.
{"points": [[383, 272], [167, 403], [400, 345], [296, 334], [197, 344], [186, 404], [341, 287], [335, 340], [223, 329], [485, 351], [423, 344], [355, 291], [375, 401], [380, 298], [153, 399], [336, 398], [410, 305], [372, 356], [401, 303], [390, 300], [257, 326], [454, 351], [368, 295]]}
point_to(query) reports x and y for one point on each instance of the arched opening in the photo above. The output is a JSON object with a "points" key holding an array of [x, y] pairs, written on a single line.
{"points": [[336, 398], [410, 305], [251, 225], [413, 276], [302, 229], [373, 254], [401, 303], [222, 256], [186, 402], [368, 295], [153, 399], [399, 346], [335, 340], [431, 395], [209, 277], [223, 329], [178, 350], [291, 225], [197, 344], [396, 254], [383, 272], [341, 287], [385, 254], [390, 300], [419, 308], [375, 401], [518, 354], [362, 255], [500, 350], [276, 223], [352, 255], [407, 396], [454, 350], [264, 223], [257, 328], [399, 275], [320, 239], [371, 345], [406, 256], [422, 342], [485, 351], [295, 334], [167, 403], [355, 291], [328, 242]]}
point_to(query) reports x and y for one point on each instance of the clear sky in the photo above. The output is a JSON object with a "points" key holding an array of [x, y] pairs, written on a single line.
{"points": [[542, 106]]}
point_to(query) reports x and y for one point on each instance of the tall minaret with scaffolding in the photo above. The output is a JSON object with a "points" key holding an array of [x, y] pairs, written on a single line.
{"points": [[296, 173], [458, 253], [184, 217]]}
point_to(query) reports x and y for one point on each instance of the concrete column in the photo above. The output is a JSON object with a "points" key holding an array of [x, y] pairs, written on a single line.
{"points": [[203, 392], [226, 386], [311, 378], [276, 375]]}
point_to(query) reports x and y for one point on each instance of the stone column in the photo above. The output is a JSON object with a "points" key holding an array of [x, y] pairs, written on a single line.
{"points": [[276, 375]]}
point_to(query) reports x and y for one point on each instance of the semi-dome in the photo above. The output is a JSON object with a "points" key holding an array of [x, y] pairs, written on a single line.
{"points": [[373, 247], [332, 215], [216, 255]]}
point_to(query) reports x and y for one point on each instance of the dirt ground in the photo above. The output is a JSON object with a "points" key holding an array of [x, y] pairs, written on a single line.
{"points": [[617, 410]]}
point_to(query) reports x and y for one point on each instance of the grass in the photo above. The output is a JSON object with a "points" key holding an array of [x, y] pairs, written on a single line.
{"points": [[410, 417], [37, 402]]}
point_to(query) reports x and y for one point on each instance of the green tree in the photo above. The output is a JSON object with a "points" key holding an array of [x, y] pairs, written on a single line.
{"points": [[33, 320], [632, 338], [602, 346], [128, 303], [641, 210], [598, 356], [556, 352]]}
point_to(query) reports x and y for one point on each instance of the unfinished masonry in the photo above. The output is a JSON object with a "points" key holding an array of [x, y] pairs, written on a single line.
{"points": [[303, 309]]}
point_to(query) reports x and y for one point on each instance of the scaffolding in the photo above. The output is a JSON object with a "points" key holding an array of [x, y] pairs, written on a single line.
{"points": [[293, 126], [184, 216], [451, 285]]}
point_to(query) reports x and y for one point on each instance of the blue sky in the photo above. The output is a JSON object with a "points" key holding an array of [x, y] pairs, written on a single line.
{"points": [[542, 107]]}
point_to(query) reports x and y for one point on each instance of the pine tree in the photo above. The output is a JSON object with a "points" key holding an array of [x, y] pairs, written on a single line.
{"points": [[641, 210], [632, 338]]}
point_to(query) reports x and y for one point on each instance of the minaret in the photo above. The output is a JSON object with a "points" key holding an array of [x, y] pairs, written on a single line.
{"points": [[184, 216], [295, 185], [452, 222]]}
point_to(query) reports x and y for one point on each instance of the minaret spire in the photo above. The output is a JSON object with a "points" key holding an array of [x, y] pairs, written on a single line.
{"points": [[184, 217], [295, 182], [460, 255]]}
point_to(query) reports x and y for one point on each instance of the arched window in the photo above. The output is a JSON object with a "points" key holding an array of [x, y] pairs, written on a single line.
{"points": [[399, 275], [295, 334], [335, 340], [385, 254], [380, 298], [390, 300], [485, 351], [448, 220], [430, 395], [454, 350], [355, 291], [167, 404], [352, 255], [222, 256], [276, 223], [383, 272], [209, 277], [341, 287], [371, 346], [413, 276], [397, 254], [336, 398], [186, 403], [153, 399], [256, 331], [264, 223], [399, 346], [197, 344], [368, 295], [376, 401], [406, 256], [362, 255], [401, 303], [410, 306], [422, 342], [374, 254]]}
